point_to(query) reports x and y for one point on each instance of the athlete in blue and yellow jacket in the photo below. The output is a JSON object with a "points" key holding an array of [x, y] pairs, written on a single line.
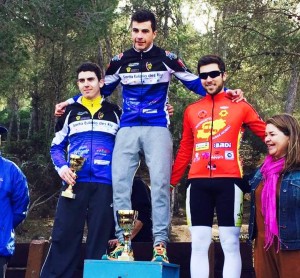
{"points": [[90, 136], [88, 129]]}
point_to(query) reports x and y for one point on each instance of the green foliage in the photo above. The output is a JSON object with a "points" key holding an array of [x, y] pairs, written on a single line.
{"points": [[259, 42]]}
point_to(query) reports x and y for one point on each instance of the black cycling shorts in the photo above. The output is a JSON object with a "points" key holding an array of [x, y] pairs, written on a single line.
{"points": [[207, 194]]}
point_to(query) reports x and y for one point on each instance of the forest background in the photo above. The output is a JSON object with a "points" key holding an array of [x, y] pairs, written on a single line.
{"points": [[42, 42]]}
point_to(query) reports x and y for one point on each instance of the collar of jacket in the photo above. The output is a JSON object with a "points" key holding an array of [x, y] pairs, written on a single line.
{"points": [[149, 49], [151, 52]]}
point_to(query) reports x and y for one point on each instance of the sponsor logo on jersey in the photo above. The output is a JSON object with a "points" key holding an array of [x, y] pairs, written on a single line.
{"points": [[93, 125], [182, 64], [81, 151], [117, 57], [226, 129], [171, 55], [211, 166], [78, 118], [150, 111], [208, 128], [205, 155], [223, 113], [223, 107], [202, 146], [100, 115], [128, 69], [202, 114], [148, 66], [229, 155], [196, 157], [216, 157], [82, 113], [222, 145], [85, 118], [102, 151], [133, 65], [101, 162]]}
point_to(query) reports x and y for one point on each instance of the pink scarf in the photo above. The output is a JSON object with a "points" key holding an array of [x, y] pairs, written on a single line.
{"points": [[271, 171]]}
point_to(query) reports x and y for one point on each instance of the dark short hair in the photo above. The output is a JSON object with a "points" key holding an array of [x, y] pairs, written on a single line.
{"points": [[89, 66], [144, 15], [211, 59]]}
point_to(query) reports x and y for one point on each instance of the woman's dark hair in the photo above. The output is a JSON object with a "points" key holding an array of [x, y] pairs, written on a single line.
{"points": [[290, 127]]}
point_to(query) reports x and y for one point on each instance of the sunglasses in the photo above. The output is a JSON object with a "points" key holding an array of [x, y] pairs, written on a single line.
{"points": [[211, 74]]}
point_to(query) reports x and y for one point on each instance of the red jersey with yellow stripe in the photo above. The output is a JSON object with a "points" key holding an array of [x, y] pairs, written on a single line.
{"points": [[212, 130]]}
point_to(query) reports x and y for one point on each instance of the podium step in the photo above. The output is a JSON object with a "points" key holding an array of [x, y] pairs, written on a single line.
{"points": [[135, 269]]}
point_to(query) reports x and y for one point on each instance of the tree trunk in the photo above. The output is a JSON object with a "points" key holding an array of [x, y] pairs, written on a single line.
{"points": [[165, 26], [100, 58], [14, 107], [30, 124], [10, 127], [18, 119], [292, 90], [35, 110], [108, 47]]}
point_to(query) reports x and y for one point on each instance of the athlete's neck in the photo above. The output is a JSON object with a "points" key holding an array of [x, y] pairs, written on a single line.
{"points": [[146, 50]]}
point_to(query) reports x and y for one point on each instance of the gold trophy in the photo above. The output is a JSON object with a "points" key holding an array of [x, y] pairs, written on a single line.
{"points": [[126, 221], [76, 163]]}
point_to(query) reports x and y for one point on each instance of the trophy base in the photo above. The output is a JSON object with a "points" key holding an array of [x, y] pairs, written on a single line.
{"points": [[68, 194], [126, 258]]}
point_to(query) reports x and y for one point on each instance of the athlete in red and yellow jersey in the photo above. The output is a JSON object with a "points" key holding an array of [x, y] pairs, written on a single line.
{"points": [[212, 130]]}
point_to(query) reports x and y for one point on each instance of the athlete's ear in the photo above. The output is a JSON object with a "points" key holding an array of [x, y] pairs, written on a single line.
{"points": [[224, 76], [101, 83]]}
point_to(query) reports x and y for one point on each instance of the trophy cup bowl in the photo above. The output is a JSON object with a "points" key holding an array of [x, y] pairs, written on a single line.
{"points": [[76, 163], [126, 220]]}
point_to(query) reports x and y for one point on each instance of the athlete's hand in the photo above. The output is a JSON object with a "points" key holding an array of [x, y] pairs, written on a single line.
{"points": [[236, 95], [113, 242], [60, 108], [170, 109], [67, 175]]}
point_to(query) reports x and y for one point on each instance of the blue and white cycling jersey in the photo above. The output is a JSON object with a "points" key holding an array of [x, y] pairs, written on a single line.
{"points": [[93, 138], [145, 78]]}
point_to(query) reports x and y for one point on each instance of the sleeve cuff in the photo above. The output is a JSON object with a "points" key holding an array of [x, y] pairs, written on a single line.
{"points": [[61, 169]]}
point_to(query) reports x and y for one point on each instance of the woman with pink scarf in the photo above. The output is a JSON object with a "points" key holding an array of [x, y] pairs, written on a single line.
{"points": [[275, 202]]}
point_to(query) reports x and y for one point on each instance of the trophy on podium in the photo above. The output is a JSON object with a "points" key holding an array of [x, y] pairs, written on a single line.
{"points": [[76, 163], [126, 221]]}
